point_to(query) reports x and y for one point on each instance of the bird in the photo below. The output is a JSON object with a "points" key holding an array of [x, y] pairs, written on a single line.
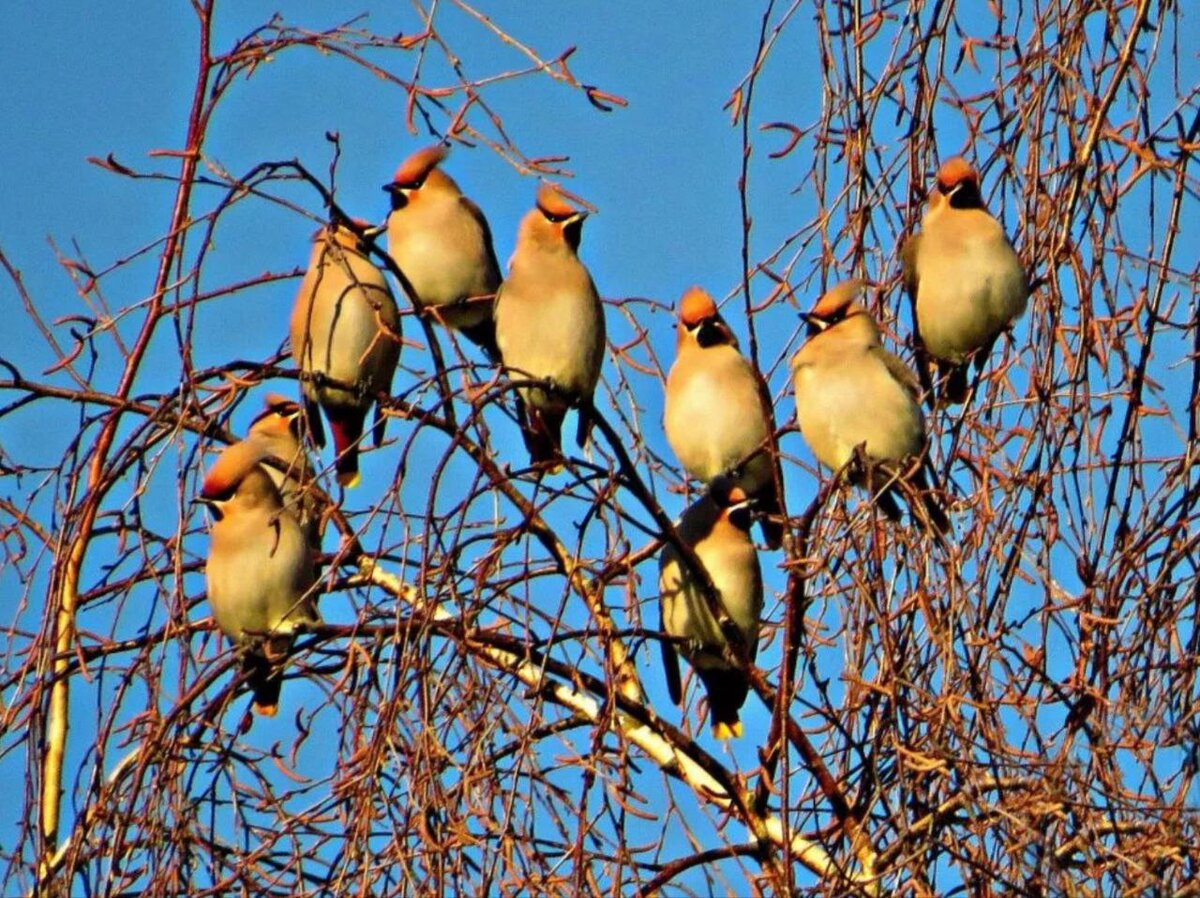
{"points": [[717, 414], [852, 392], [278, 430], [717, 528], [550, 325], [345, 334], [441, 242], [259, 571], [962, 275]]}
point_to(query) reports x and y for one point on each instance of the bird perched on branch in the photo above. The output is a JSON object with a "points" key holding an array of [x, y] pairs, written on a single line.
{"points": [[442, 244], [966, 283], [345, 340], [717, 528], [550, 325], [259, 570], [717, 414], [851, 392]]}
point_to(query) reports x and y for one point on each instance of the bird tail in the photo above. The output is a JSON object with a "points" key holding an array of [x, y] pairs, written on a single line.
{"points": [[542, 430], [727, 690], [930, 504], [957, 384], [670, 660], [347, 427], [264, 684]]}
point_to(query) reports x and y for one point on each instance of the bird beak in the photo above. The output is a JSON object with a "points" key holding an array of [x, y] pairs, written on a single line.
{"points": [[373, 232]]}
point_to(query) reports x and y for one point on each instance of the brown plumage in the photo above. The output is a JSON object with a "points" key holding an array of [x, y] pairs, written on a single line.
{"points": [[259, 570], [442, 244], [850, 391], [550, 325], [966, 283], [717, 528], [717, 415], [346, 341]]}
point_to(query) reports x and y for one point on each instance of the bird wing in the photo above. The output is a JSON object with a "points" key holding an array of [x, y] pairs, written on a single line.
{"points": [[899, 371], [908, 264], [670, 661], [476, 213]]}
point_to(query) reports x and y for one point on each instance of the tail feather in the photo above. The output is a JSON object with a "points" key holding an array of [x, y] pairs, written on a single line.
{"points": [[542, 431], [264, 684], [933, 510], [727, 690], [583, 429], [312, 414], [887, 503], [957, 384], [670, 659], [347, 428]]}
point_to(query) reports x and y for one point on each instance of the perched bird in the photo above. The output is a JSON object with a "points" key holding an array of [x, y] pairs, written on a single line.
{"points": [[850, 391], [717, 528], [717, 414], [550, 324], [259, 569], [965, 281], [278, 431], [345, 340], [442, 245]]}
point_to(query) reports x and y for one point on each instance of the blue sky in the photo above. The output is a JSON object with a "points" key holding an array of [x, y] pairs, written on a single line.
{"points": [[661, 173]]}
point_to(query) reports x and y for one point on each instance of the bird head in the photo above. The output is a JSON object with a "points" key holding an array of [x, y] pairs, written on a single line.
{"points": [[280, 417], [352, 235], [958, 183], [839, 303], [732, 503], [420, 172], [700, 320], [557, 218]]}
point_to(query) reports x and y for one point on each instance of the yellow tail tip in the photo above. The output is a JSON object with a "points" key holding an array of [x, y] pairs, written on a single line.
{"points": [[266, 710], [350, 479], [723, 732]]}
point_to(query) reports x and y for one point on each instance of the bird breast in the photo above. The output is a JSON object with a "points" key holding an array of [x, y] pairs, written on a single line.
{"points": [[713, 414], [844, 401], [733, 567], [257, 571], [442, 252], [971, 284], [552, 328]]}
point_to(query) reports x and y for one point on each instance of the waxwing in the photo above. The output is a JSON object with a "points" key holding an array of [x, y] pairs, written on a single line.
{"points": [[345, 340], [278, 431], [718, 414], [442, 245], [850, 391], [965, 281], [259, 569], [550, 325], [717, 528]]}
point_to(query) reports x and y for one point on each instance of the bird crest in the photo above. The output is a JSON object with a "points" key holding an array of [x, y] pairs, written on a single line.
{"points": [[955, 171], [696, 306], [416, 168], [553, 204], [838, 298], [231, 468]]}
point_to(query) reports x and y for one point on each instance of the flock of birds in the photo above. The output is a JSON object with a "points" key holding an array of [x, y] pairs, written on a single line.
{"points": [[857, 405]]}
